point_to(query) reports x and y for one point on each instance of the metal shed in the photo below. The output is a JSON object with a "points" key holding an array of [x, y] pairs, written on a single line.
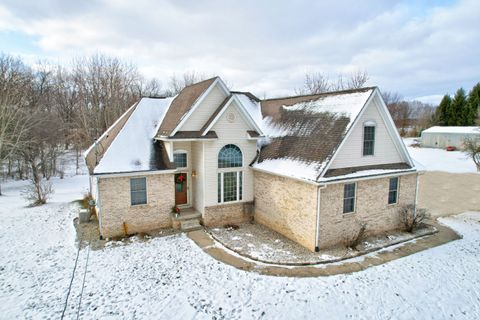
{"points": [[442, 137]]}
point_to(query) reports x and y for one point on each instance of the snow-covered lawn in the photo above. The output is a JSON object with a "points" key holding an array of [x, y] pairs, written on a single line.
{"points": [[171, 277], [440, 160]]}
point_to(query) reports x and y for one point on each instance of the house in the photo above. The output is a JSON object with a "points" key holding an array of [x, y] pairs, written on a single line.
{"points": [[311, 167], [442, 137]]}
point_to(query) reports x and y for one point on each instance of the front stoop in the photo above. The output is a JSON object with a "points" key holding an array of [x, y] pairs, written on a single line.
{"points": [[190, 225], [188, 220]]}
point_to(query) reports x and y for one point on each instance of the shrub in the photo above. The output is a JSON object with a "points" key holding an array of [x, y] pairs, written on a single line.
{"points": [[38, 192], [353, 241], [412, 220]]}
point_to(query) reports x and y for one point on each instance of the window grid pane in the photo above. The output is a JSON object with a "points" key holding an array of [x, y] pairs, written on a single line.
{"points": [[138, 191], [368, 140], [240, 174], [219, 188], [180, 160], [230, 157], [349, 198], [229, 186]]}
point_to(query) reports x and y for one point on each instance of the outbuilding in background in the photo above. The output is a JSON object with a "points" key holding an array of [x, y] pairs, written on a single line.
{"points": [[443, 137]]}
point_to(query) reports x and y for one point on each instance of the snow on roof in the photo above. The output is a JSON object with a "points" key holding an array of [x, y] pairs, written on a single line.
{"points": [[290, 168], [347, 104], [464, 130], [132, 148], [296, 143]]}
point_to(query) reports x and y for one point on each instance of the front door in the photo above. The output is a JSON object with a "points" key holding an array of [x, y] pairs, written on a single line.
{"points": [[180, 188]]}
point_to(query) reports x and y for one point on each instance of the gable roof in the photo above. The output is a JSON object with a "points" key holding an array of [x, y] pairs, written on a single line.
{"points": [[221, 109], [182, 104], [305, 131], [133, 149]]}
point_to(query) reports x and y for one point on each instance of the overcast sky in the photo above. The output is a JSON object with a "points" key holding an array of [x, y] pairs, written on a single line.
{"points": [[417, 48]]}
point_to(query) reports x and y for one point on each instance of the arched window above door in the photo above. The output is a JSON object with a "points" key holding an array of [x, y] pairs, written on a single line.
{"points": [[230, 156]]}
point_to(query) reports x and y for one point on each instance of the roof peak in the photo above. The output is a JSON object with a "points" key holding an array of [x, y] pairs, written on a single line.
{"points": [[346, 91]]}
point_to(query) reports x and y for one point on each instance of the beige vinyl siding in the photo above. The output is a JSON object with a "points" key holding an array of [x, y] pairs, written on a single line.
{"points": [[198, 181], [351, 154], [185, 146], [208, 106], [234, 133]]}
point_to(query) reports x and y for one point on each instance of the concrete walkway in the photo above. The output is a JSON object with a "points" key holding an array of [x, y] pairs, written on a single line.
{"points": [[220, 253]]}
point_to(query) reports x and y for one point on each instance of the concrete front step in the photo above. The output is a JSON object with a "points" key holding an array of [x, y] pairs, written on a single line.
{"points": [[190, 225]]}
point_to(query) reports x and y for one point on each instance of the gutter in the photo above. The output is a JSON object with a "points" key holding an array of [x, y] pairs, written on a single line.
{"points": [[317, 226], [132, 173], [373, 176]]}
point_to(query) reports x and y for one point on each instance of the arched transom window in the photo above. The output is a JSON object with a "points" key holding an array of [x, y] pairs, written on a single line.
{"points": [[230, 157], [230, 175]]}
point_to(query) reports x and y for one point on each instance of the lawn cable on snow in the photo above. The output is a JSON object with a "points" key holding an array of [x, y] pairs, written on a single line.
{"points": [[71, 280], [83, 282]]}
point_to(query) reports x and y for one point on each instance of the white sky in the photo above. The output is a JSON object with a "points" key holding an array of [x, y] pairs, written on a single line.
{"points": [[417, 48]]}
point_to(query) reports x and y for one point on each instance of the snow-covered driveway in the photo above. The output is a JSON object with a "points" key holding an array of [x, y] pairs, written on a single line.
{"points": [[172, 278]]}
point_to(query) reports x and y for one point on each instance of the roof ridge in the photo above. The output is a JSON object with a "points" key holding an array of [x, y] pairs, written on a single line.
{"points": [[199, 82], [323, 93]]}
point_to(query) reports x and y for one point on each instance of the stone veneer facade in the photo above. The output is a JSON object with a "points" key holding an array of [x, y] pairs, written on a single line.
{"points": [[115, 207], [231, 213], [289, 207], [286, 206], [371, 207]]}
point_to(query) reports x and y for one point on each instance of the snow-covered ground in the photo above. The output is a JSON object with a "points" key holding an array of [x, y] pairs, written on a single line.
{"points": [[171, 278], [440, 160]]}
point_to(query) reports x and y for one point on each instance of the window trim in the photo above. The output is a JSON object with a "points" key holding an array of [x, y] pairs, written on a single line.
{"points": [[220, 175], [368, 124], [397, 191], [180, 151], [146, 192], [354, 199]]}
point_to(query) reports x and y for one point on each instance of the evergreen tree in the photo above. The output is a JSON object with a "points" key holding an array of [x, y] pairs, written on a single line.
{"points": [[442, 110], [457, 107], [474, 103]]}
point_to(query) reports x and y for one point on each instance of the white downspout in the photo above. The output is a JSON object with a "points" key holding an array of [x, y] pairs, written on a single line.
{"points": [[317, 228], [416, 197]]}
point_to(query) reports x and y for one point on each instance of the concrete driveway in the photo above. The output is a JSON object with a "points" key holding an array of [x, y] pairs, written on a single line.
{"points": [[444, 193]]}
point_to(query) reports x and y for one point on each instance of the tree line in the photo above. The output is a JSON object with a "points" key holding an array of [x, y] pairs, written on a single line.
{"points": [[461, 110], [46, 109]]}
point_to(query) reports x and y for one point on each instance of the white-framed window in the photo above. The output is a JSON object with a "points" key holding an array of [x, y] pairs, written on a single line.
{"points": [[229, 177], [349, 194], [138, 191], [393, 190], [368, 139], [180, 159]]}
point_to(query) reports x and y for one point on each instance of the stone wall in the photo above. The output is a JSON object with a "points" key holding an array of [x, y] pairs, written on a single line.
{"points": [[230, 213], [115, 207], [287, 206], [371, 207]]}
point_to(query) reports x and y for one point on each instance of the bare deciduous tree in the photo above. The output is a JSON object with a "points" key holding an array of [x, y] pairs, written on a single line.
{"points": [[315, 83], [177, 83], [472, 148]]}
